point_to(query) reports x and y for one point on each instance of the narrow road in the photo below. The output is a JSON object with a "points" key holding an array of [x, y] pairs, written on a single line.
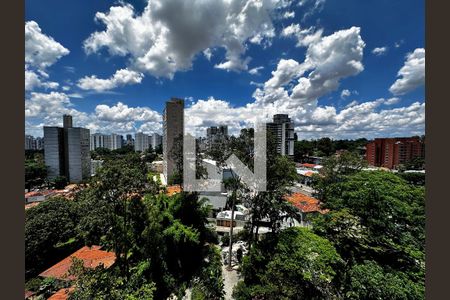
{"points": [[231, 278]]}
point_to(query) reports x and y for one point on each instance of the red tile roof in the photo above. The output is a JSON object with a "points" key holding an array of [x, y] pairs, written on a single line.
{"points": [[173, 189], [305, 203], [28, 294], [32, 204], [62, 294], [92, 257], [306, 165], [39, 193]]}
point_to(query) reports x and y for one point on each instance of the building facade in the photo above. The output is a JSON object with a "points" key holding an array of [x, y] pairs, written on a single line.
{"points": [[282, 129], [173, 128], [393, 152], [66, 151], [116, 141], [215, 135], [54, 151], [156, 140], [141, 141]]}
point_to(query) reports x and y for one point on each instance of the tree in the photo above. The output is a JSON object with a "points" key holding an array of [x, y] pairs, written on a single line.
{"points": [[370, 281], [35, 169], [50, 233], [296, 264], [376, 216]]}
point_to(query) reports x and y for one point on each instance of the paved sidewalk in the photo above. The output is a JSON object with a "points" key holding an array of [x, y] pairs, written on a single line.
{"points": [[231, 278]]}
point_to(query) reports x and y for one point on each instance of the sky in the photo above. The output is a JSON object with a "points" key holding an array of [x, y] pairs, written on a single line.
{"points": [[339, 68]]}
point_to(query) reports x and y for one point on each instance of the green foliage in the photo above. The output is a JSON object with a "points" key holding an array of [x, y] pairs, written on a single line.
{"points": [[108, 284], [296, 264], [59, 182], [369, 281], [47, 226], [35, 169], [376, 216], [326, 147], [413, 178]]}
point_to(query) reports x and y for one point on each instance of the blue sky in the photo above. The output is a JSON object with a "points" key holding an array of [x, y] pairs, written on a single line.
{"points": [[343, 69]]}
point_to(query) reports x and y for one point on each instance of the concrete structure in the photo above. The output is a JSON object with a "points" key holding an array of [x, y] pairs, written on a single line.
{"points": [[156, 140], [141, 141], [66, 151], [116, 141], [32, 143], [54, 151], [79, 159], [392, 152], [173, 128], [282, 129], [99, 140]]}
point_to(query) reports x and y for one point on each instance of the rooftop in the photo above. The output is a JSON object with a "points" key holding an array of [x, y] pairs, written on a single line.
{"points": [[305, 203], [173, 189], [91, 256]]}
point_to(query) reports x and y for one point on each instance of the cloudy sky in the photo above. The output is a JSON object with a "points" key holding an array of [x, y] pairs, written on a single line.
{"points": [[342, 69]]}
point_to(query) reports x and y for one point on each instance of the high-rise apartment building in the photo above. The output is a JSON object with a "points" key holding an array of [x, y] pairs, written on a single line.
{"points": [[392, 152], [99, 140], [32, 143], [173, 128], [282, 129], [141, 141], [116, 141], [66, 151], [156, 140], [29, 142], [216, 134], [130, 140]]}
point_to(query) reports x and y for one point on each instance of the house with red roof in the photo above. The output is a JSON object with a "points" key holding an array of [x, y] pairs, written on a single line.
{"points": [[306, 205], [92, 257]]}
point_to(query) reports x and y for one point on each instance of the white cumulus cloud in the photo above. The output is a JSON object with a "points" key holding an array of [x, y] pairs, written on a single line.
{"points": [[412, 74], [120, 78], [162, 43]]}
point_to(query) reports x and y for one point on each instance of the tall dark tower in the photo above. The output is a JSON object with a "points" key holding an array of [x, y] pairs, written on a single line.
{"points": [[67, 121]]}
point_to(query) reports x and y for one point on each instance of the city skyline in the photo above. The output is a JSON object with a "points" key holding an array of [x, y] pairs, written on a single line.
{"points": [[351, 71]]}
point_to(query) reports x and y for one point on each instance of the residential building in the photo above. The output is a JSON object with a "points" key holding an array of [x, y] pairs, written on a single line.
{"points": [[91, 257], [66, 151], [99, 140], [141, 141], [54, 151], [78, 155], [393, 152], [129, 140], [215, 135], [156, 140], [173, 128], [32, 143], [39, 143], [29, 143], [116, 141], [282, 129]]}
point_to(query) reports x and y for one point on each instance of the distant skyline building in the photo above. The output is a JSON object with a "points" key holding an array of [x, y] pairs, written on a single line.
{"points": [[32, 143], [392, 152], [173, 128], [116, 141], [216, 134], [156, 140], [282, 129], [100, 140], [141, 141], [66, 151]]}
